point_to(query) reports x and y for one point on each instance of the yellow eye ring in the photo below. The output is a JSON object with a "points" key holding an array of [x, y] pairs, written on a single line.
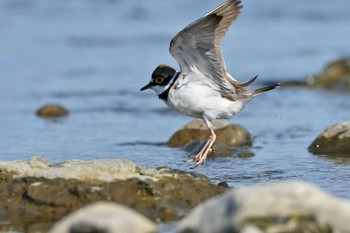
{"points": [[159, 80]]}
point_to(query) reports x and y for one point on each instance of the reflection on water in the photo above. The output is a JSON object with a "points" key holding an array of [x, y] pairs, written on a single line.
{"points": [[93, 56]]}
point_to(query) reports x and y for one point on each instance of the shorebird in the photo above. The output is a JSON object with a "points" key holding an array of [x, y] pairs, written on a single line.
{"points": [[203, 88]]}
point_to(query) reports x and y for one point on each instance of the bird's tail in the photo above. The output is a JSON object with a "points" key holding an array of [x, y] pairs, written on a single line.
{"points": [[267, 88]]}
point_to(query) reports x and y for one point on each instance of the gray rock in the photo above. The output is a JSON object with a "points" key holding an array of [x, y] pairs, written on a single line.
{"points": [[229, 134], [83, 170], [104, 217], [283, 207], [334, 141]]}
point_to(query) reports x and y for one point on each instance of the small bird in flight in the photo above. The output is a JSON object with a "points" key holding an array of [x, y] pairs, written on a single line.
{"points": [[203, 88]]}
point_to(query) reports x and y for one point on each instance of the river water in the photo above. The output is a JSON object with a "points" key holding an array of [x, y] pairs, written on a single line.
{"points": [[93, 56]]}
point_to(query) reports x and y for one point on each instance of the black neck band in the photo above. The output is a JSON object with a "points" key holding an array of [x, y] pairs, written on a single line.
{"points": [[164, 95]]}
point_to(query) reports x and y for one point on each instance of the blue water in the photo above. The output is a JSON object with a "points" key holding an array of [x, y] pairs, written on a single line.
{"points": [[93, 56]]}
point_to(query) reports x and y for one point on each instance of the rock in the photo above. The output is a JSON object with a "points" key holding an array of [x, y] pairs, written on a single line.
{"points": [[229, 134], [218, 150], [287, 207], [335, 140], [83, 170], [336, 75], [105, 217], [36, 191], [51, 111]]}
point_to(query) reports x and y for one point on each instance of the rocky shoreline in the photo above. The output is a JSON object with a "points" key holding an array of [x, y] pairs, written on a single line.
{"points": [[112, 195], [88, 196], [37, 193]]}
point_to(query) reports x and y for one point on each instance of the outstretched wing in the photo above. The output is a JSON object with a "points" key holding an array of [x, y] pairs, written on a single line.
{"points": [[198, 46]]}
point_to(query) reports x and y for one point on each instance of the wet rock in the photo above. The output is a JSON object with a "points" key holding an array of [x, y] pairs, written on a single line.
{"points": [[336, 75], [36, 191], [218, 150], [287, 207], [229, 134], [51, 111], [104, 217], [335, 140]]}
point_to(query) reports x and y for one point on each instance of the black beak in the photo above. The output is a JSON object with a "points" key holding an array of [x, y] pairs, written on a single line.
{"points": [[146, 87]]}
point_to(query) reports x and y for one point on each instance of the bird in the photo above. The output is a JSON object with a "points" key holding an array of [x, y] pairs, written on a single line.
{"points": [[203, 88]]}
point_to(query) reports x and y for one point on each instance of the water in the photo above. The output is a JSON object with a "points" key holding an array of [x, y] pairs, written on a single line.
{"points": [[93, 56]]}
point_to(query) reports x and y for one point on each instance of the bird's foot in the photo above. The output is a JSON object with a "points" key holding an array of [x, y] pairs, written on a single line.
{"points": [[193, 158], [199, 162], [199, 158]]}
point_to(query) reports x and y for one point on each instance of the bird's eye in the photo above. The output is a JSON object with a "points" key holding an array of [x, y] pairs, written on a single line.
{"points": [[159, 80]]}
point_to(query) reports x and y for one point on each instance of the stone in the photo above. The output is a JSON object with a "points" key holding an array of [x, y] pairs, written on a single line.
{"points": [[37, 192], [336, 75], [334, 141], [104, 217], [229, 134], [92, 170], [286, 207], [218, 150], [51, 111]]}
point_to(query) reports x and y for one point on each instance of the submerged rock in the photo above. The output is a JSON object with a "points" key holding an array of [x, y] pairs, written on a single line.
{"points": [[36, 191], [335, 140], [51, 111], [229, 134], [104, 217], [218, 150], [336, 75], [287, 207]]}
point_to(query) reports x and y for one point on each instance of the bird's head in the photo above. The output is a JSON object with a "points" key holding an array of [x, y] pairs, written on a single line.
{"points": [[160, 79]]}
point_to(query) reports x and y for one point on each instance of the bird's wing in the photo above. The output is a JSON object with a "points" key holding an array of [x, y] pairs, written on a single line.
{"points": [[198, 46]]}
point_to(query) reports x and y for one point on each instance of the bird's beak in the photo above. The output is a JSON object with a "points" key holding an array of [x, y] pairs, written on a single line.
{"points": [[146, 87]]}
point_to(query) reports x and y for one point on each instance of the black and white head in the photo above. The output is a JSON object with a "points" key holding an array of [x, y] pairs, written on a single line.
{"points": [[161, 78]]}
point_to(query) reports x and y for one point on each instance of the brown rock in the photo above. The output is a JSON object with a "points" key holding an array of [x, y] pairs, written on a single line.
{"points": [[336, 75], [35, 191], [229, 134], [218, 150], [335, 140], [51, 111]]}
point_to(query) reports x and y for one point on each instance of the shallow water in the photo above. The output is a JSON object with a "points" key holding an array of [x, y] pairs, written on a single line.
{"points": [[93, 56]]}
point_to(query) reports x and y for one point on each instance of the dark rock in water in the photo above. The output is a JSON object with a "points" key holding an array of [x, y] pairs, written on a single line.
{"points": [[36, 191], [218, 150], [229, 134], [336, 75], [51, 111], [335, 140], [287, 207], [104, 217]]}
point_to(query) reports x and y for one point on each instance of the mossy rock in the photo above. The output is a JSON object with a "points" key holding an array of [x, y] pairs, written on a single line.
{"points": [[229, 134], [335, 140], [36, 192], [336, 75], [51, 111]]}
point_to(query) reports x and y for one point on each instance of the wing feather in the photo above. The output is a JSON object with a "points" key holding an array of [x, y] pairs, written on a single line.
{"points": [[198, 46]]}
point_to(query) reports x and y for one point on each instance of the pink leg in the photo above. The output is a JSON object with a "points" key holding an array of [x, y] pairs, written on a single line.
{"points": [[202, 156], [199, 155]]}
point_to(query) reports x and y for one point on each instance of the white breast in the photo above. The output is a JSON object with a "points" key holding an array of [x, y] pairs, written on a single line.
{"points": [[194, 98]]}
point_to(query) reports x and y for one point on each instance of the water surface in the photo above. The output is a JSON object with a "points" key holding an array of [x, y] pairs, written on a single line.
{"points": [[93, 56]]}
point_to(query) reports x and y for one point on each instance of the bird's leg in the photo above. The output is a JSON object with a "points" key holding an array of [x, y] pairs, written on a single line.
{"points": [[203, 156], [199, 155]]}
